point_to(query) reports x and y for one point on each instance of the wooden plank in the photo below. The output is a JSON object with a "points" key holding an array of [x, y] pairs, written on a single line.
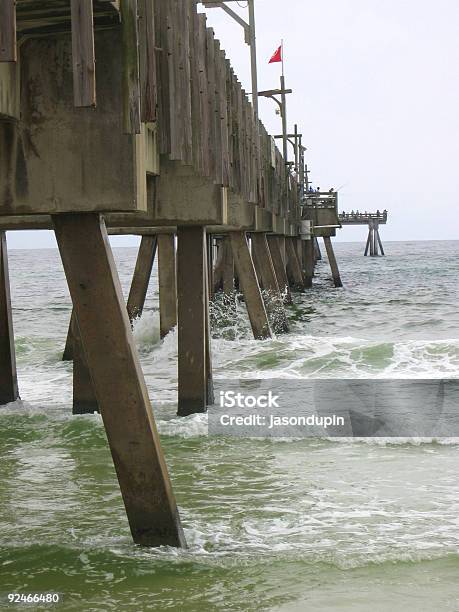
{"points": [[118, 379], [147, 59], [164, 109], [221, 59], [83, 54], [205, 130], [141, 278], [8, 376], [8, 47], [197, 131], [131, 76], [174, 91], [185, 81], [250, 287]]}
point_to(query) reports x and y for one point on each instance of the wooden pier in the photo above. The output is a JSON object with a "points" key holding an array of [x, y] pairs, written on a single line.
{"points": [[374, 244], [126, 117]]}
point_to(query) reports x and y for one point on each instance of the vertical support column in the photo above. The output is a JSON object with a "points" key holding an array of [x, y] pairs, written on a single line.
{"points": [[84, 397], [228, 266], [167, 283], [368, 242], [210, 265], [293, 265], [68, 350], [192, 301], [208, 340], [332, 261], [317, 249], [118, 379], [380, 243], [267, 273], [141, 278], [8, 377], [372, 241], [309, 261], [283, 251], [8, 49], [250, 287], [279, 267], [83, 55]]}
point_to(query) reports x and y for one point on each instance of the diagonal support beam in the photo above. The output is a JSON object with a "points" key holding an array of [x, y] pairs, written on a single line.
{"points": [[250, 286], [118, 380], [141, 279]]}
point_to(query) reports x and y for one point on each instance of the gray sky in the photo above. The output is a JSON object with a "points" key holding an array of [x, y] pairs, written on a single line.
{"points": [[376, 96]]}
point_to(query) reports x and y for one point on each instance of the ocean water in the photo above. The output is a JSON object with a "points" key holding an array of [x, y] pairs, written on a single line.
{"points": [[285, 525]]}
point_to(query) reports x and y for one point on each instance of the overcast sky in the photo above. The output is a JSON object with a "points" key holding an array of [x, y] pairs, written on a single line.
{"points": [[376, 96]]}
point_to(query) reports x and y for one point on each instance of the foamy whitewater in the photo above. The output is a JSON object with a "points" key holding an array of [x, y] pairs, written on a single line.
{"points": [[271, 524]]}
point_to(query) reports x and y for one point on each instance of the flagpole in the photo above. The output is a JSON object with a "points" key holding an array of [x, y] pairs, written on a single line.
{"points": [[282, 55]]}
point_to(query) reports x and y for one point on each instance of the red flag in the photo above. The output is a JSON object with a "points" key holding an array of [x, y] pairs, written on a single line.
{"points": [[277, 57]]}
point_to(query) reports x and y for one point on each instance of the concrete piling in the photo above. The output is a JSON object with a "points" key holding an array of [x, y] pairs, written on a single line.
{"points": [[192, 313], [118, 379], [279, 267], [84, 397], [250, 286], [266, 272], [8, 377], [167, 277], [294, 271], [332, 261], [141, 277]]}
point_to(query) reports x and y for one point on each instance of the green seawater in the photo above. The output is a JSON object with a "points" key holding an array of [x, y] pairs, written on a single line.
{"points": [[285, 525]]}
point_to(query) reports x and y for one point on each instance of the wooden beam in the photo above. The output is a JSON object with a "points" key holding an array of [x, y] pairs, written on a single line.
{"points": [[8, 376], [167, 277], [250, 286], [192, 300], [83, 54], [118, 379], [131, 76], [8, 47], [141, 278], [147, 58]]}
